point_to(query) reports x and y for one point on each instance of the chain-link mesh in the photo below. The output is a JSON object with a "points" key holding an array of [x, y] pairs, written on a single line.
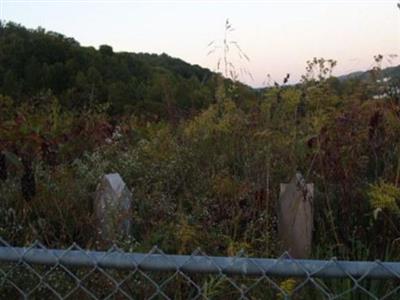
{"points": [[36, 272]]}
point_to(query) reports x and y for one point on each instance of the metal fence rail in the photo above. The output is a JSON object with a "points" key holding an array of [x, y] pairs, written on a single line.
{"points": [[39, 273]]}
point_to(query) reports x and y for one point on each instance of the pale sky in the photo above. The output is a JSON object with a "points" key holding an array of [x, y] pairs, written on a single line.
{"points": [[278, 36]]}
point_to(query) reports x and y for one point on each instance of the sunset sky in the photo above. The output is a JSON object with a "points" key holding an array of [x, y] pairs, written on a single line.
{"points": [[278, 36]]}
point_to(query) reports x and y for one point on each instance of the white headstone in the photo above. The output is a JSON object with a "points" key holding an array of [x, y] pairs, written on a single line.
{"points": [[295, 216], [112, 205]]}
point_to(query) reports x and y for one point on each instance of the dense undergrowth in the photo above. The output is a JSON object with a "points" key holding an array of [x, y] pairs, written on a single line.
{"points": [[212, 181]]}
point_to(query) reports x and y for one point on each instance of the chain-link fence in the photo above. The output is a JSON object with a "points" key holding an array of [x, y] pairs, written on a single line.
{"points": [[36, 272]]}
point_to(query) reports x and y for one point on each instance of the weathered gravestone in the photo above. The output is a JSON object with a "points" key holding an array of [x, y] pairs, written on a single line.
{"points": [[295, 216], [113, 202]]}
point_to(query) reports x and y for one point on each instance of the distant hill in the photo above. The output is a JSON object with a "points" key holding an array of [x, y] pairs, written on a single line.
{"points": [[341, 81], [353, 75], [393, 72], [36, 62]]}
